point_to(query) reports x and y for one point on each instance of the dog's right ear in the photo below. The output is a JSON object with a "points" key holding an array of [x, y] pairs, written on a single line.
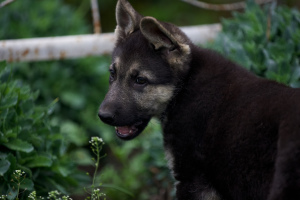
{"points": [[127, 19]]}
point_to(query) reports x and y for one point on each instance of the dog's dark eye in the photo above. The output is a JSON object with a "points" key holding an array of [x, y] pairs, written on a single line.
{"points": [[141, 80], [112, 75], [112, 72]]}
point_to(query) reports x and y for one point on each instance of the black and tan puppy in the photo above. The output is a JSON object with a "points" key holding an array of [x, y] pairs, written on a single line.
{"points": [[227, 134]]}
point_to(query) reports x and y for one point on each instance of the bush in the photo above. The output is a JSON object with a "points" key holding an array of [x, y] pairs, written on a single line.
{"points": [[265, 41], [30, 143], [80, 85], [27, 19]]}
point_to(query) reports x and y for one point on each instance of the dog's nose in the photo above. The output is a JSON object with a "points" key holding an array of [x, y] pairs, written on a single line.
{"points": [[106, 117]]}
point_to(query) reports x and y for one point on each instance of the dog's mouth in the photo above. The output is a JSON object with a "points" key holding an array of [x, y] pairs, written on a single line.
{"points": [[130, 132]]}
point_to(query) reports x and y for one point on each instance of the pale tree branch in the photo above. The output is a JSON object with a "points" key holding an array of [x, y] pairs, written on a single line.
{"points": [[4, 3], [66, 47], [223, 7], [96, 16]]}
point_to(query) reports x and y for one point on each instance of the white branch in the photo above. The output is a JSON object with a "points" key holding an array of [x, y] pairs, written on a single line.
{"points": [[4, 3], [96, 16], [224, 7], [55, 48]]}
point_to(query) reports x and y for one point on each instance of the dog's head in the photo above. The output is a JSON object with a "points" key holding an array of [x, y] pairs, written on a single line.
{"points": [[149, 60]]}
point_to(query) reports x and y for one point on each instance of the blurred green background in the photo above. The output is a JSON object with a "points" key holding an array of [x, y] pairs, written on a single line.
{"points": [[131, 170]]}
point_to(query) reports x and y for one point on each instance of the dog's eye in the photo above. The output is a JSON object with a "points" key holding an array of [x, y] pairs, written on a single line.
{"points": [[141, 80], [112, 72], [112, 75]]}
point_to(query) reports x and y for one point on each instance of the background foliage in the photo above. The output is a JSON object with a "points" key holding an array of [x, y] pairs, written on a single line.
{"points": [[79, 86], [30, 143], [265, 41]]}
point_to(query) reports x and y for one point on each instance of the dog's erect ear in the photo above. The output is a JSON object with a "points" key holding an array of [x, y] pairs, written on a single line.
{"points": [[169, 40], [127, 19], [157, 34]]}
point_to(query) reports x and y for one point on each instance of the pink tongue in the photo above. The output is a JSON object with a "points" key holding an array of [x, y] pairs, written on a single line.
{"points": [[125, 130]]}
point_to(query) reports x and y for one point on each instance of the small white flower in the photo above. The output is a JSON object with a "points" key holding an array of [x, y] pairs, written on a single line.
{"points": [[32, 195], [66, 198]]}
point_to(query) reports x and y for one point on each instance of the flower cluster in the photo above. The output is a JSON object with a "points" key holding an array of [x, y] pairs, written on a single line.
{"points": [[97, 194], [55, 196], [33, 196], [18, 174], [66, 198], [96, 145], [96, 141]]}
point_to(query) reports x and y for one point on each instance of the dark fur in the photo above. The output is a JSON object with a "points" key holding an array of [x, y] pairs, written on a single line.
{"points": [[232, 135], [235, 132]]}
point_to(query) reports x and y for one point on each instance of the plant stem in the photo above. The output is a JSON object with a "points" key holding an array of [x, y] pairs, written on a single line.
{"points": [[97, 153]]}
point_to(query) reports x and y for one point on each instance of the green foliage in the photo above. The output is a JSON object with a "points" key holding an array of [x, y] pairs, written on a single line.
{"points": [[29, 142], [74, 83], [32, 139], [139, 167], [26, 19], [132, 170], [265, 41]]}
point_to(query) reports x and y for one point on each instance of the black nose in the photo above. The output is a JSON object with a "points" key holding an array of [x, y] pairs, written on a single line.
{"points": [[106, 117]]}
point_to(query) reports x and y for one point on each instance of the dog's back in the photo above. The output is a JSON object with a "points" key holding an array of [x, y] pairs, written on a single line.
{"points": [[227, 133]]}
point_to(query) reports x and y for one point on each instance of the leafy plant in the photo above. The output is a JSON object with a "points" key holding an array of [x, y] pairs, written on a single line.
{"points": [[96, 146], [30, 143], [139, 169], [265, 41], [54, 19], [80, 85]]}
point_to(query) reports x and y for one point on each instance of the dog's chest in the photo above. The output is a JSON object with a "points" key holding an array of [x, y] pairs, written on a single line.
{"points": [[182, 149]]}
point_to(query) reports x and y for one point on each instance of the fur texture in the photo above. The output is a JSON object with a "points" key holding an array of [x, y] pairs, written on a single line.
{"points": [[228, 134]]}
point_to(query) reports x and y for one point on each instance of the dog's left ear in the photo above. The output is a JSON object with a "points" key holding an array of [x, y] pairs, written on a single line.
{"points": [[157, 34], [169, 39]]}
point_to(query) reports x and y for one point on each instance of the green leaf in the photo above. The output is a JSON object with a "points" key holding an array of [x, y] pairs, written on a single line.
{"points": [[27, 107], [2, 155], [19, 145], [27, 184], [38, 114], [39, 161], [3, 114], [81, 157], [3, 139], [4, 166], [26, 124], [12, 160], [11, 193], [75, 100], [8, 102], [2, 65], [117, 188], [63, 170], [11, 133], [74, 133], [57, 186]]}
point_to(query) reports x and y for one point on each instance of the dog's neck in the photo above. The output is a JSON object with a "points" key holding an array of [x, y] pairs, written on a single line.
{"points": [[206, 68]]}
